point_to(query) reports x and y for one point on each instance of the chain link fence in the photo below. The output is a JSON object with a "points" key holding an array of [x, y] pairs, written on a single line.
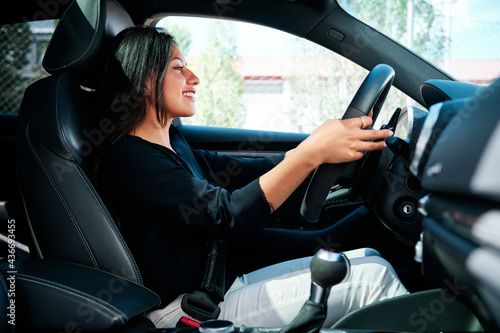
{"points": [[22, 48]]}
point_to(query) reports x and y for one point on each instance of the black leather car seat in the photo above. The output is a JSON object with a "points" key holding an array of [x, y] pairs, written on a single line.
{"points": [[67, 218]]}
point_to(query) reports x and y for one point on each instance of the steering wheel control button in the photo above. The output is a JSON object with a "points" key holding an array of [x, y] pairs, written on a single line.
{"points": [[216, 326]]}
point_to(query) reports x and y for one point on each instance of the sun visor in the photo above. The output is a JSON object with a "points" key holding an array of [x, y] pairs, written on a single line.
{"points": [[465, 157]]}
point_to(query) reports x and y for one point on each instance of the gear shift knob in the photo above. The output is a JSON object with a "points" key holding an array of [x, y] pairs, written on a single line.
{"points": [[327, 269]]}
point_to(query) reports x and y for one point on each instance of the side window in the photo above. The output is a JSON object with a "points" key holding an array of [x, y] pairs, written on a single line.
{"points": [[22, 46], [260, 78]]}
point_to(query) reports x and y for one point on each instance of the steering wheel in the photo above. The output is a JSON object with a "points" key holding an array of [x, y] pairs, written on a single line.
{"points": [[370, 96]]}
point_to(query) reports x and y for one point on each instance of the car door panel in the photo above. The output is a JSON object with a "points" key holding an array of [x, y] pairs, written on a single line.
{"points": [[240, 142]]}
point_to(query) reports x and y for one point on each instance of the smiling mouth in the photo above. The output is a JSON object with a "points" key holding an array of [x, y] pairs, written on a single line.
{"points": [[189, 94]]}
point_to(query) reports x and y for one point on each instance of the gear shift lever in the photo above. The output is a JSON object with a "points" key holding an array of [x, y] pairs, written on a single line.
{"points": [[327, 269]]}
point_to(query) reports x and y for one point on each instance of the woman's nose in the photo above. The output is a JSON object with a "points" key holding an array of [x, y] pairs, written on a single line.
{"points": [[193, 79]]}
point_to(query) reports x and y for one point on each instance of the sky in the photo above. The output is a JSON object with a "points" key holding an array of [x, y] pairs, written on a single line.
{"points": [[475, 29]]}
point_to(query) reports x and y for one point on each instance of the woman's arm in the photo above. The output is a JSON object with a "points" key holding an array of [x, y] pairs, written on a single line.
{"points": [[232, 172], [336, 141], [145, 183]]}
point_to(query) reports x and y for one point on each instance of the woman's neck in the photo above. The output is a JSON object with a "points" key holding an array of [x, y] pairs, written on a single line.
{"points": [[151, 131]]}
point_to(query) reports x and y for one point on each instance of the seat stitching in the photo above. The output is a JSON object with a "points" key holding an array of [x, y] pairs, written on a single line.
{"points": [[88, 48], [77, 168], [84, 241], [117, 276], [74, 292], [61, 132], [109, 220], [85, 179]]}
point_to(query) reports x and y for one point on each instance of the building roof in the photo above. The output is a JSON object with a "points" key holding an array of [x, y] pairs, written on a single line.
{"points": [[475, 71]]}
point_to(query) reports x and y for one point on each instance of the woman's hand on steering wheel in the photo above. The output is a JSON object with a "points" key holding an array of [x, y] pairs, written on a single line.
{"points": [[338, 141], [368, 100]]}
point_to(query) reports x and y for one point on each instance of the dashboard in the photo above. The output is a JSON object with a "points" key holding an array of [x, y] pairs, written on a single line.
{"points": [[456, 158]]}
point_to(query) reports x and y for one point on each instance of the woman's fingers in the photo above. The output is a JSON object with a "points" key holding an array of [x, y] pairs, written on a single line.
{"points": [[358, 139], [364, 123], [346, 140], [370, 146], [375, 134]]}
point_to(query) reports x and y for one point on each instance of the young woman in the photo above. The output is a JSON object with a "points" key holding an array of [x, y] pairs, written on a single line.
{"points": [[169, 198]]}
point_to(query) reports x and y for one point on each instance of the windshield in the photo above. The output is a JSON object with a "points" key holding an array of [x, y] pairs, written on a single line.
{"points": [[459, 36]]}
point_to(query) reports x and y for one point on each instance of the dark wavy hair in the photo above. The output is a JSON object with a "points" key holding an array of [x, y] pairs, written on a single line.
{"points": [[136, 55]]}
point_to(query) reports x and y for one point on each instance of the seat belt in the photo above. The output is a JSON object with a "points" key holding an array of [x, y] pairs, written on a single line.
{"points": [[203, 303]]}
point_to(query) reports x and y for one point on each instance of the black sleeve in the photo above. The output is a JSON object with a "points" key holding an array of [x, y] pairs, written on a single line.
{"points": [[139, 177], [233, 173]]}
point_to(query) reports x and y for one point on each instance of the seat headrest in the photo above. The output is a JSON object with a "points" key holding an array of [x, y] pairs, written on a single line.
{"points": [[79, 42]]}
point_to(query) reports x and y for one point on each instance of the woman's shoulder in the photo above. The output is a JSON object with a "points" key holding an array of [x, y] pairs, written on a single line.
{"points": [[133, 148], [132, 155]]}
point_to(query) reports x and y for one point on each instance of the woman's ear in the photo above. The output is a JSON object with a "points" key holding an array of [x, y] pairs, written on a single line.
{"points": [[148, 85]]}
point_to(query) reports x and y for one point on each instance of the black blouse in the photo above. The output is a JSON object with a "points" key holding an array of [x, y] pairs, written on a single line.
{"points": [[169, 205]]}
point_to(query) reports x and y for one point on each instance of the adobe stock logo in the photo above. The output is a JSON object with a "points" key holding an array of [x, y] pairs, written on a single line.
{"points": [[436, 307]]}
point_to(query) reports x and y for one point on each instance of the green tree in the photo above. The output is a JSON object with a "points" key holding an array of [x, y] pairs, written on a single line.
{"points": [[182, 37], [15, 42], [218, 98], [391, 18]]}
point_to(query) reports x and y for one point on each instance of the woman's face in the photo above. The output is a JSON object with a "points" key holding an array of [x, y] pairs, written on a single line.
{"points": [[179, 86]]}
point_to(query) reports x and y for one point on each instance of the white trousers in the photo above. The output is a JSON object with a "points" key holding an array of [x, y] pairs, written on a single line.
{"points": [[272, 296]]}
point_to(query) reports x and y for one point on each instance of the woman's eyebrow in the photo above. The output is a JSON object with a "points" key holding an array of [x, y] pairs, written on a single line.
{"points": [[181, 60]]}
